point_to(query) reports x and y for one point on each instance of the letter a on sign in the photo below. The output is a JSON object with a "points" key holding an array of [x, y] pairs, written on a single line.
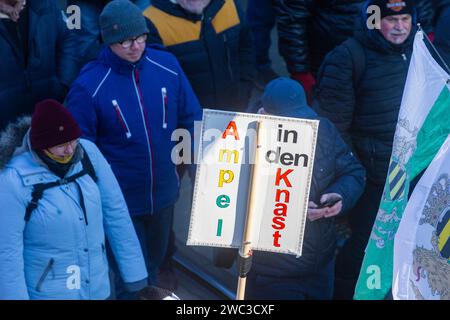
{"points": [[231, 130]]}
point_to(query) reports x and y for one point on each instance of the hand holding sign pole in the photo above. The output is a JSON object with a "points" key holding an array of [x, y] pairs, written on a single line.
{"points": [[245, 252]]}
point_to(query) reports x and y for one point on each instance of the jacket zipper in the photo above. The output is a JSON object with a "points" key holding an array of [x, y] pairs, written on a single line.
{"points": [[230, 70], [122, 119], [44, 274], [404, 57], [372, 158], [165, 104], [135, 77]]}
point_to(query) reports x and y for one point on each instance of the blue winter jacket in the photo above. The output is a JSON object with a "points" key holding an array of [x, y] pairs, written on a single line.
{"points": [[56, 254], [130, 111]]}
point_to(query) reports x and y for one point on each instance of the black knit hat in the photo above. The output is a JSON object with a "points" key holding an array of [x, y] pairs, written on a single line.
{"points": [[121, 20], [394, 7]]}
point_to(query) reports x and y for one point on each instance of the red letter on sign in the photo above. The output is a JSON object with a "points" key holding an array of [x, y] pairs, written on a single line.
{"points": [[284, 177], [276, 236], [231, 130]]}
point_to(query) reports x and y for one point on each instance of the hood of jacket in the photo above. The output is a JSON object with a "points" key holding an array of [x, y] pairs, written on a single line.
{"points": [[286, 97], [14, 140]]}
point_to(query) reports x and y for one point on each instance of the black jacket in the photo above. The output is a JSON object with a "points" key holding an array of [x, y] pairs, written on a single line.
{"points": [[49, 68], [439, 6], [442, 31], [366, 111], [309, 29], [215, 49]]}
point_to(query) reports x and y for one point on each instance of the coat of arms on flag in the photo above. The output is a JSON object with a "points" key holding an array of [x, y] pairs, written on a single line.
{"points": [[422, 245], [423, 125], [396, 180]]}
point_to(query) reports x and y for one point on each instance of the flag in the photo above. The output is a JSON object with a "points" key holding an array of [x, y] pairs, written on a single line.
{"points": [[422, 244], [422, 127]]}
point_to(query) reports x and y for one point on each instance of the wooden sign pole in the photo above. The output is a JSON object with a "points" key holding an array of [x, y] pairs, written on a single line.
{"points": [[246, 249]]}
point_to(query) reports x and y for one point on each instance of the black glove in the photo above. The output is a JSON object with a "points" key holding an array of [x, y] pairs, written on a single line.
{"points": [[156, 293]]}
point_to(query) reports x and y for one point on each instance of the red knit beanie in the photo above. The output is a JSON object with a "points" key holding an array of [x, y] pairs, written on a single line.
{"points": [[52, 125]]}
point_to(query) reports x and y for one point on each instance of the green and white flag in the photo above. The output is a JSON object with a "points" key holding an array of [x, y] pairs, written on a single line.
{"points": [[422, 243], [423, 125]]}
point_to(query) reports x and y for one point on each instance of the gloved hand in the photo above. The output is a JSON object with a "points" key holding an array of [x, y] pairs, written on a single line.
{"points": [[308, 82], [12, 8], [156, 293]]}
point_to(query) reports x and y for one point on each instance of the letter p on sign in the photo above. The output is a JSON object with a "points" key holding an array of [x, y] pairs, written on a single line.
{"points": [[229, 177]]}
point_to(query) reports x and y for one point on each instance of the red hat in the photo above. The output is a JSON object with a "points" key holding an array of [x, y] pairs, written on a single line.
{"points": [[52, 125]]}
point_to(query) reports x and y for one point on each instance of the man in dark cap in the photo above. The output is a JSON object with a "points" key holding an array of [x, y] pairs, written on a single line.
{"points": [[309, 29], [360, 88], [129, 101]]}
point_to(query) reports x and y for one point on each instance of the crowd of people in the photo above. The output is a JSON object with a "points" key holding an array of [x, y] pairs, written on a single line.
{"points": [[87, 182]]}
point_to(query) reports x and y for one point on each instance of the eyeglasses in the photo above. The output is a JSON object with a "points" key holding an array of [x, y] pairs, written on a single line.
{"points": [[64, 146], [129, 42]]}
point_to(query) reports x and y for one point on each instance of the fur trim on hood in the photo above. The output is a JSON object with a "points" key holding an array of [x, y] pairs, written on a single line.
{"points": [[12, 138]]}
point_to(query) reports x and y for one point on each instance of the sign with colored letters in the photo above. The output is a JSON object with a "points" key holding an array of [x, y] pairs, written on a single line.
{"points": [[283, 165]]}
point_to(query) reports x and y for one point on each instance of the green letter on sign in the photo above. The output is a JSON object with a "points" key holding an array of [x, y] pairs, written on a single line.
{"points": [[223, 201]]}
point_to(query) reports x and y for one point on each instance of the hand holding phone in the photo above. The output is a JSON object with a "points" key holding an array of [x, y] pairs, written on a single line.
{"points": [[329, 203]]}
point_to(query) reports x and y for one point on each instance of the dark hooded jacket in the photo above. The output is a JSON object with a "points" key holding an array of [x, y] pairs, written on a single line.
{"points": [[48, 68], [442, 31], [214, 49], [309, 29], [366, 111], [336, 170]]}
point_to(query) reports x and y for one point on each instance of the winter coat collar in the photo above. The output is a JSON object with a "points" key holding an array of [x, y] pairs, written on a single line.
{"points": [[176, 10], [304, 112], [110, 59], [12, 140]]}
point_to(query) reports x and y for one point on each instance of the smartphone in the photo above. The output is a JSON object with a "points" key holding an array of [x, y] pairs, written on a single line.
{"points": [[329, 203]]}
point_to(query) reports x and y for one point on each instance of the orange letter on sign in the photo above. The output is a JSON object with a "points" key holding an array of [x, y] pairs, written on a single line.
{"points": [[231, 130]]}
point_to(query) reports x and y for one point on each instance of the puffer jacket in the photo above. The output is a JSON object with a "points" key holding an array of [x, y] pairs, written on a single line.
{"points": [[366, 112], [336, 170], [215, 49], [47, 71], [439, 5], [60, 252], [442, 34], [309, 29], [130, 111]]}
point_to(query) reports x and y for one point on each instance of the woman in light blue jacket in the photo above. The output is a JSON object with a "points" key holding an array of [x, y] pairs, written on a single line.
{"points": [[58, 199]]}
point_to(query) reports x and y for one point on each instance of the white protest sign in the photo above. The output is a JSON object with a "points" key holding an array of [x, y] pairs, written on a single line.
{"points": [[282, 179]]}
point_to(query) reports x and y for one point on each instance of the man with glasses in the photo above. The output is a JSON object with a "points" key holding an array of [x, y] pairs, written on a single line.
{"points": [[129, 101], [88, 37], [60, 201]]}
